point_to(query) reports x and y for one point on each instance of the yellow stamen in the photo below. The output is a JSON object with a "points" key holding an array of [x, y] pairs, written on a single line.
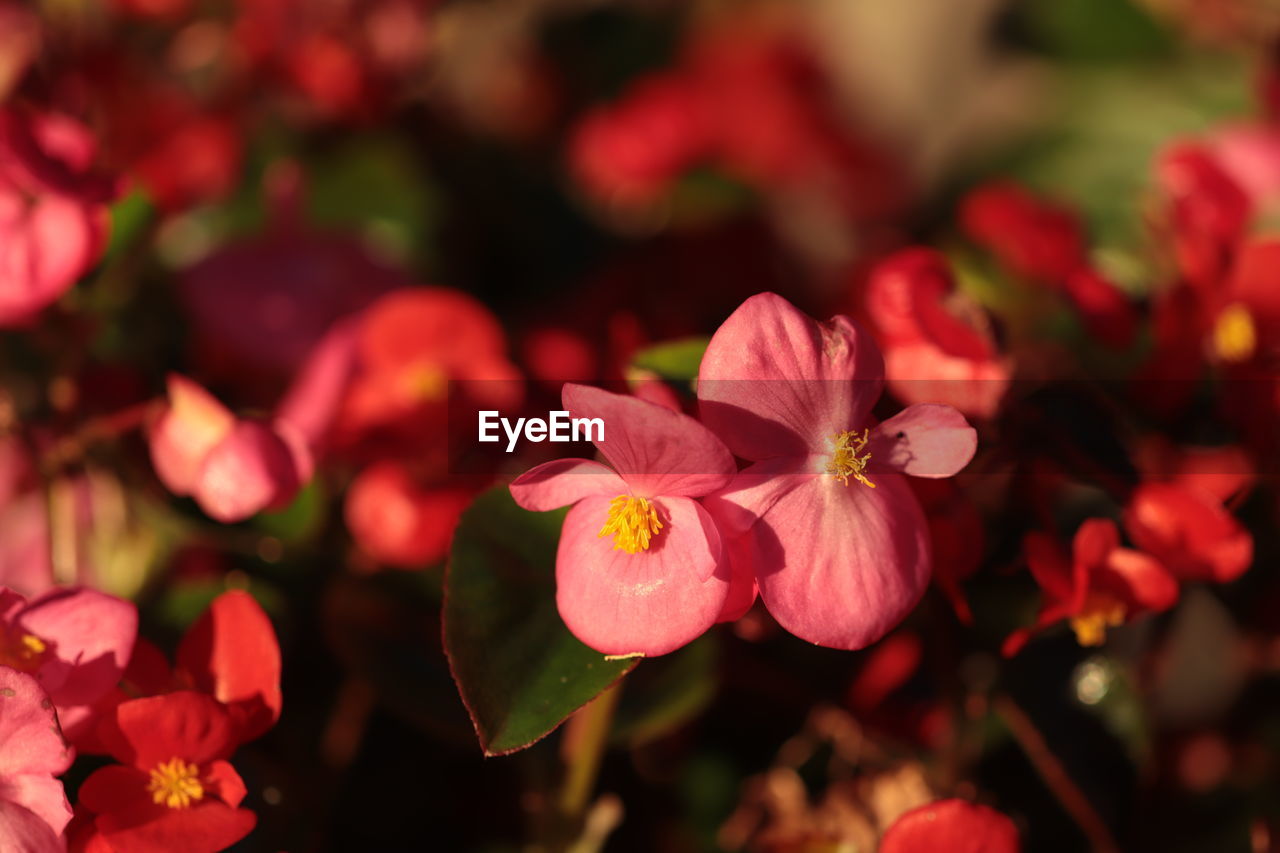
{"points": [[425, 382], [24, 652], [633, 522], [848, 459], [175, 783], [1234, 335], [1092, 622]]}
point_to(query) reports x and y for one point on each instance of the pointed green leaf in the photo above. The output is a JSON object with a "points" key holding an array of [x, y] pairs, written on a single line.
{"points": [[519, 670]]}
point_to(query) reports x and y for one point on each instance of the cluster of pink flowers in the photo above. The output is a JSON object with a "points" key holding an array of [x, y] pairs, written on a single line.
{"points": [[671, 536]]}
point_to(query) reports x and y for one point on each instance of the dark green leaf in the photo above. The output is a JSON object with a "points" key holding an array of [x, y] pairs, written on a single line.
{"points": [[519, 670]]}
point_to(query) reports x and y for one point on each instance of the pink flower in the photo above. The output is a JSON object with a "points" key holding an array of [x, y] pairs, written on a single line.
{"points": [[233, 468], [639, 568], [840, 544], [53, 219], [33, 806], [76, 642]]}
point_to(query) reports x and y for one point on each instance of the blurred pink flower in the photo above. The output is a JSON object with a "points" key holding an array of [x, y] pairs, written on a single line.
{"points": [[640, 566], [233, 468], [840, 544], [33, 806], [75, 641], [53, 212]]}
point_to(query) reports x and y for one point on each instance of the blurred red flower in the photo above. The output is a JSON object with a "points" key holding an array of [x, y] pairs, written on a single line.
{"points": [[1099, 586], [953, 826], [937, 347]]}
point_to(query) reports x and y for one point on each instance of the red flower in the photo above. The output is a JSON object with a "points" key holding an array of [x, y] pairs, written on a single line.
{"points": [[1206, 212], [631, 151], [1034, 238], [1106, 311], [955, 527], [1189, 530], [400, 522], [230, 653], [173, 788], [935, 348], [951, 826], [1101, 585]]}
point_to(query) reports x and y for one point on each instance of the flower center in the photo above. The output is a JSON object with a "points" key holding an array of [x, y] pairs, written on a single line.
{"points": [[24, 652], [848, 459], [175, 784], [633, 522], [1234, 335], [1092, 622]]}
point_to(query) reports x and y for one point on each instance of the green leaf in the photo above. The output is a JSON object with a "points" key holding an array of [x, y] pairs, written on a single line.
{"points": [[518, 669], [674, 360]]}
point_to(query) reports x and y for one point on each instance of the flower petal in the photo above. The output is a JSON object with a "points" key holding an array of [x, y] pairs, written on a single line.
{"points": [[739, 553], [29, 738], [40, 794], [24, 830], [207, 825], [657, 451], [552, 485], [924, 440], [954, 826], [651, 602], [841, 565], [775, 382], [231, 653], [1142, 580], [185, 724], [191, 426], [755, 489], [91, 634], [1188, 531]]}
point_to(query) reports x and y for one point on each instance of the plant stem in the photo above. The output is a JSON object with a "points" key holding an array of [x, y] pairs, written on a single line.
{"points": [[1055, 776], [583, 749]]}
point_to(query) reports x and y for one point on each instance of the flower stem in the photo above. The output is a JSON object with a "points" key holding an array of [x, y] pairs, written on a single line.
{"points": [[1055, 776], [583, 750]]}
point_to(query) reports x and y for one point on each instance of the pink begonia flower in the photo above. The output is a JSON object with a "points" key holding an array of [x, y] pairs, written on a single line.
{"points": [[639, 568], [839, 542], [75, 641], [233, 468], [33, 806], [53, 216]]}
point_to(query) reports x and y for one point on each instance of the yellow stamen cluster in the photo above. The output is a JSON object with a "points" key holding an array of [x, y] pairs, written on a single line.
{"points": [[1234, 335], [633, 522], [25, 652], [175, 783], [1091, 623], [848, 459]]}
